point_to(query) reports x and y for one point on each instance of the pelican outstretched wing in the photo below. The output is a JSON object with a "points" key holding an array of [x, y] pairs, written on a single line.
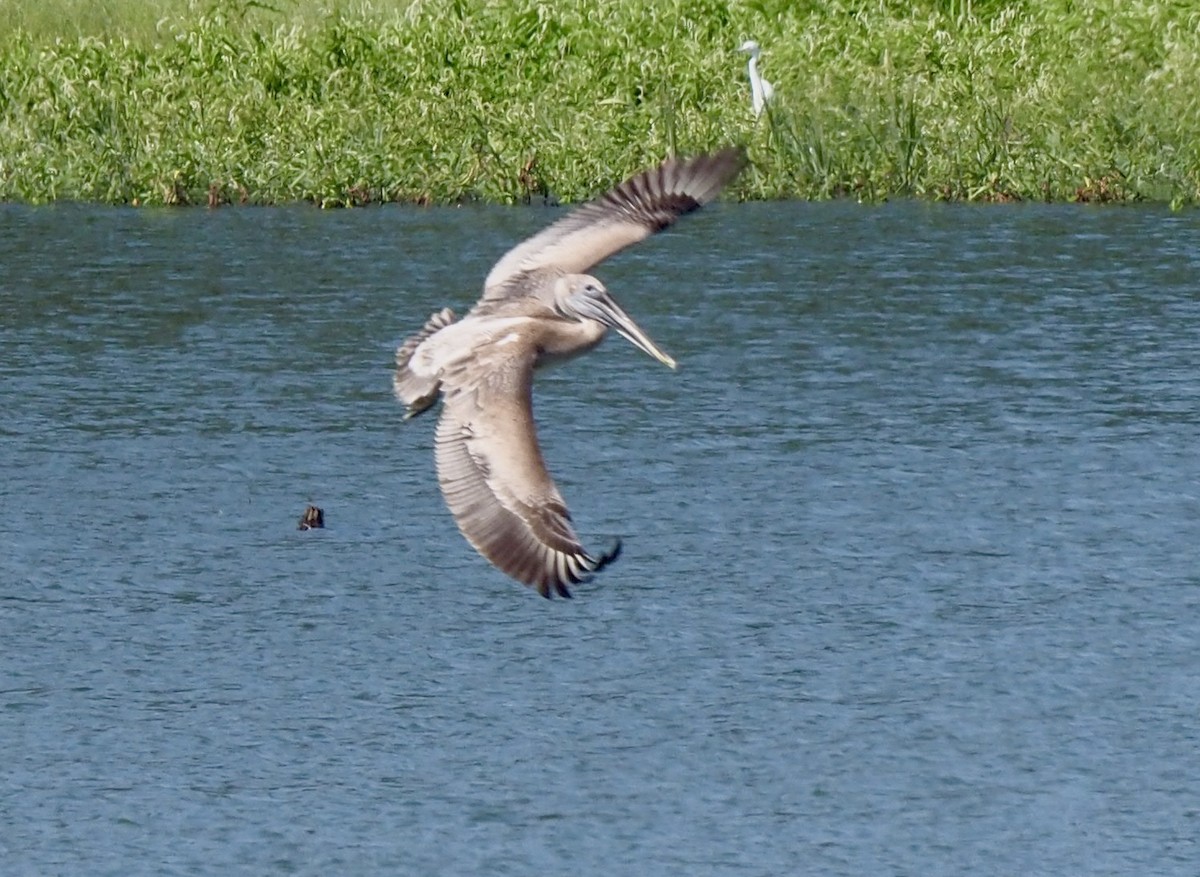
{"points": [[634, 210], [493, 476]]}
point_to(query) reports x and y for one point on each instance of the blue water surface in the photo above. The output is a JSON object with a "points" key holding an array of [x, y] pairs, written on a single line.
{"points": [[909, 582]]}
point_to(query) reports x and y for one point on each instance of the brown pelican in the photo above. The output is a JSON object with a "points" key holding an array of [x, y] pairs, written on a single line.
{"points": [[537, 308]]}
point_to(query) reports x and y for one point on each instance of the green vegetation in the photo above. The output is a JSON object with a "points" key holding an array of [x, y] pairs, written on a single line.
{"points": [[183, 101]]}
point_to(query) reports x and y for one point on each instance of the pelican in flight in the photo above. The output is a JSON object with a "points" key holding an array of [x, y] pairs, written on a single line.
{"points": [[537, 308], [761, 91]]}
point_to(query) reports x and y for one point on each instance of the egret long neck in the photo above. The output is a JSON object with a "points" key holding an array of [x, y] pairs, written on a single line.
{"points": [[756, 89]]}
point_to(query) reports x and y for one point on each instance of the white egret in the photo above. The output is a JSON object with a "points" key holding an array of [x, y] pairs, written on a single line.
{"points": [[761, 91]]}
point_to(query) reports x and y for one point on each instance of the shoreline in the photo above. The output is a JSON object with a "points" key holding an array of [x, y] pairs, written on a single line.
{"points": [[422, 105]]}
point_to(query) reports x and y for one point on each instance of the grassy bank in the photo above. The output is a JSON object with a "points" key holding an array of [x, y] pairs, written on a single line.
{"points": [[182, 101]]}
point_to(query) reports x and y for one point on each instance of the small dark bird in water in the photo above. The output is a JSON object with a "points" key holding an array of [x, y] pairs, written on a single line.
{"points": [[313, 519]]}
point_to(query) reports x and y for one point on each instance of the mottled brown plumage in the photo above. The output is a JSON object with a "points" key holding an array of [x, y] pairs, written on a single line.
{"points": [[536, 308]]}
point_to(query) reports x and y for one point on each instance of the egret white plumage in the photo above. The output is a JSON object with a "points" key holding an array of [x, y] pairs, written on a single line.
{"points": [[761, 91]]}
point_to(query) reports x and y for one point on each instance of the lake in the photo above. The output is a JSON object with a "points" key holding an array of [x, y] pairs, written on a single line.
{"points": [[909, 582]]}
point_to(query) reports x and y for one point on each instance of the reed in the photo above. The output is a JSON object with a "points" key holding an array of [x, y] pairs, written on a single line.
{"points": [[189, 102]]}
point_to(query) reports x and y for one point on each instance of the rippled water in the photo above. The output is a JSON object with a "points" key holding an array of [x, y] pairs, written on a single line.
{"points": [[909, 583]]}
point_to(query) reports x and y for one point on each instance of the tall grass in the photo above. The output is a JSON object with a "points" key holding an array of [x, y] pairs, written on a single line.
{"points": [[348, 103]]}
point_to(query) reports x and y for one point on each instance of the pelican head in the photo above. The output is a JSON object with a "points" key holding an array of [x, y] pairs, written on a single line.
{"points": [[583, 297], [751, 47]]}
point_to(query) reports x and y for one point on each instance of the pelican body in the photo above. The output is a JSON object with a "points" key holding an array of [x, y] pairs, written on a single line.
{"points": [[538, 307], [761, 91]]}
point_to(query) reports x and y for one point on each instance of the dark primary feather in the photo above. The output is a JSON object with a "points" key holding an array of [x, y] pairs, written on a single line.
{"points": [[634, 210], [496, 484]]}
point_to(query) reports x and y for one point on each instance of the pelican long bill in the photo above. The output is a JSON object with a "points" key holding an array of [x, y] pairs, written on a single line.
{"points": [[604, 309]]}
